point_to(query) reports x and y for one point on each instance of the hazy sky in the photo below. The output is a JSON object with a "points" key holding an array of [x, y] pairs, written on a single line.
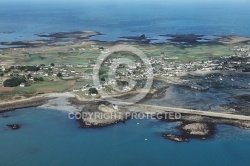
{"points": [[232, 3], [143, 1]]}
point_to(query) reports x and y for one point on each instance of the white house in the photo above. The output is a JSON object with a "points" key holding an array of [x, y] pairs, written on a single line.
{"points": [[22, 85]]}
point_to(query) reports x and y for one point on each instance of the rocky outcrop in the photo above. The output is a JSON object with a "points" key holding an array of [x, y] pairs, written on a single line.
{"points": [[192, 126], [192, 130], [176, 138], [184, 38], [14, 126], [244, 98], [196, 129], [71, 35], [101, 114], [200, 127], [138, 39]]}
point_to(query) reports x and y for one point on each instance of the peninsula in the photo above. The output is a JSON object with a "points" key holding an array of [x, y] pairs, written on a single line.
{"points": [[57, 73]]}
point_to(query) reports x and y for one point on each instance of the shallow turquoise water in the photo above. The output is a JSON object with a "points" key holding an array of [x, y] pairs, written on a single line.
{"points": [[48, 137]]}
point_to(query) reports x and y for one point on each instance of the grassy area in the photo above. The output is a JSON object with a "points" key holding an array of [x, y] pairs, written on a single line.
{"points": [[67, 56], [190, 53], [59, 86], [82, 54], [6, 96]]}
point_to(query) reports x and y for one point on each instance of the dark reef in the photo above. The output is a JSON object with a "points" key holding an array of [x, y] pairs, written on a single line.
{"points": [[71, 35], [14, 126], [199, 127], [138, 39]]}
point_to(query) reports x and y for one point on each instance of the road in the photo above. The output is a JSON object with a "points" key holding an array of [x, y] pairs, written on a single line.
{"points": [[148, 108]]}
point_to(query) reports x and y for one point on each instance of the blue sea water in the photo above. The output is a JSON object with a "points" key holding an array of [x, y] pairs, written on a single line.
{"points": [[48, 137], [116, 19]]}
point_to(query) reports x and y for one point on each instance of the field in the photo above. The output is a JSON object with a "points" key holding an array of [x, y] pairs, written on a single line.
{"points": [[46, 87], [189, 53], [79, 54], [86, 52]]}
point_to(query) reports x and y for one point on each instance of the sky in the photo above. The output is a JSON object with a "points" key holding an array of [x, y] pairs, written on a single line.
{"points": [[143, 1], [94, 3]]}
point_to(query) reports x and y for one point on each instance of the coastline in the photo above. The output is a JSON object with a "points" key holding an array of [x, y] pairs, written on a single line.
{"points": [[77, 37], [56, 101], [23, 103], [71, 103], [60, 102], [191, 126]]}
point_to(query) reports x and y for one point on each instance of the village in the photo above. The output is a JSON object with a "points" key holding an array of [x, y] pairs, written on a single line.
{"points": [[163, 66]]}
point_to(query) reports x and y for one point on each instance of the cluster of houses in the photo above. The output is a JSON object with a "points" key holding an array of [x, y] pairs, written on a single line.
{"points": [[162, 67], [240, 62], [138, 70]]}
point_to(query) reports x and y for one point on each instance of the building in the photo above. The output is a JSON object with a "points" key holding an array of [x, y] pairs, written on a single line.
{"points": [[22, 85]]}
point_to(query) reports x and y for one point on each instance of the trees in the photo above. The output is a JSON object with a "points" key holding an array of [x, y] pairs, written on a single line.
{"points": [[38, 79], [59, 75], [33, 68], [6, 70], [41, 79], [21, 68], [122, 83], [29, 76], [13, 82], [93, 91], [103, 79], [28, 68]]}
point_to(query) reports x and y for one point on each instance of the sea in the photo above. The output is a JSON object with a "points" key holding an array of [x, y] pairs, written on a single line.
{"points": [[49, 137], [22, 20]]}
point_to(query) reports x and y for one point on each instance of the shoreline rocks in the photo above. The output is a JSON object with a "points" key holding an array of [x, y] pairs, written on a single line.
{"points": [[199, 127], [191, 126], [196, 129], [176, 138], [192, 130], [101, 114]]}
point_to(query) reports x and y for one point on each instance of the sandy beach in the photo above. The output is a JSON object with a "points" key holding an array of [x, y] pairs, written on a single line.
{"points": [[60, 102]]}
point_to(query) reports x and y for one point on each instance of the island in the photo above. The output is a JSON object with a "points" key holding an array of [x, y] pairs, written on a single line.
{"points": [[206, 80]]}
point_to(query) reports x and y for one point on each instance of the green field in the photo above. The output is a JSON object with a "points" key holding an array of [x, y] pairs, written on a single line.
{"points": [[46, 86], [67, 56], [190, 53], [82, 54]]}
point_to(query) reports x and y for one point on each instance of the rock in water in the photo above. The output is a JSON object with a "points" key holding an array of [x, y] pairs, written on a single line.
{"points": [[14, 126], [176, 138]]}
